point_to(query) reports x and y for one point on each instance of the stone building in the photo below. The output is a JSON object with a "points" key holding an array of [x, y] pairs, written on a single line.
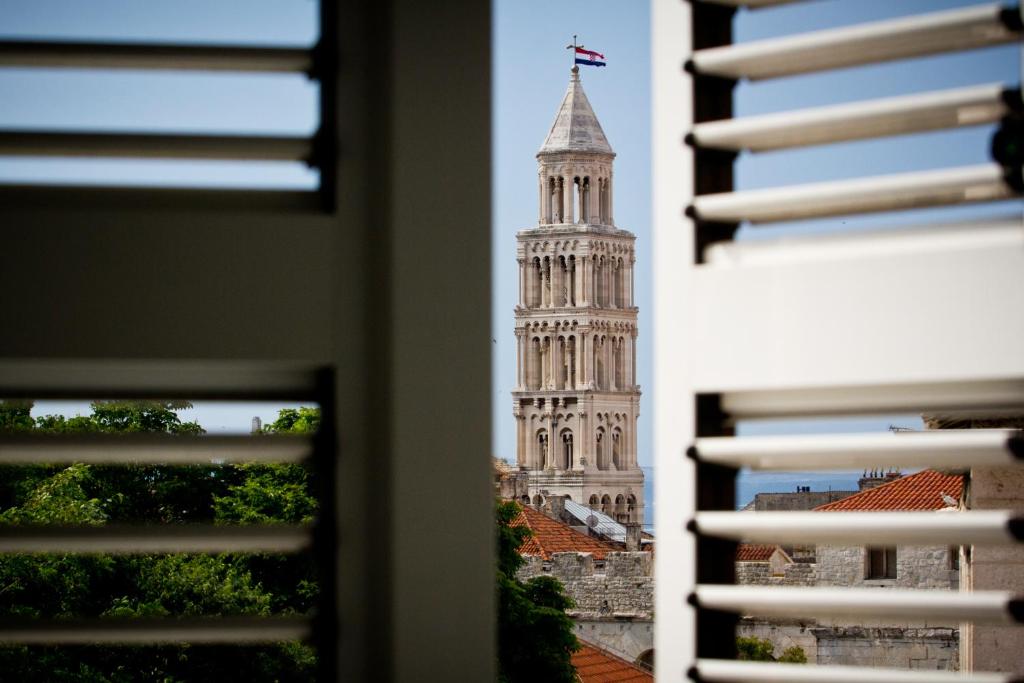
{"points": [[576, 400], [907, 645], [613, 589]]}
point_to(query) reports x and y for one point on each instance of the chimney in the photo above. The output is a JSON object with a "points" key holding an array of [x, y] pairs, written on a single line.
{"points": [[557, 507], [633, 530]]}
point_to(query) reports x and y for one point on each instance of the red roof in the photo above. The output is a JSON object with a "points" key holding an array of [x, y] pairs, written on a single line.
{"points": [[552, 536], [596, 666], [920, 491], [748, 552]]}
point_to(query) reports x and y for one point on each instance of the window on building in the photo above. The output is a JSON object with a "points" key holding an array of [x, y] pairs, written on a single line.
{"points": [[881, 563]]}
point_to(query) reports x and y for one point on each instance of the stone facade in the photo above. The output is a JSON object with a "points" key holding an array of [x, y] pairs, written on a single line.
{"points": [[762, 574], [621, 586], [926, 646], [629, 638], [614, 597], [989, 647], [933, 649], [797, 500], [916, 567], [576, 400]]}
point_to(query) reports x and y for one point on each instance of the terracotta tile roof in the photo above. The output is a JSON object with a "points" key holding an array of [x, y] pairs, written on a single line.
{"points": [[552, 536], [748, 552], [920, 491], [596, 666]]}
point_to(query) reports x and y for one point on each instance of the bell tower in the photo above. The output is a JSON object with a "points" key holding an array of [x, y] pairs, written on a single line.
{"points": [[576, 401]]}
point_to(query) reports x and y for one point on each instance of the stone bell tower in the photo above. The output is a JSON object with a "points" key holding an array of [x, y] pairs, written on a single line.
{"points": [[576, 401]]}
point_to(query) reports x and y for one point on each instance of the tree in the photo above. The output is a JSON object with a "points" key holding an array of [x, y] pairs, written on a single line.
{"points": [[793, 655], [758, 650], [754, 649], [535, 637], [58, 586]]}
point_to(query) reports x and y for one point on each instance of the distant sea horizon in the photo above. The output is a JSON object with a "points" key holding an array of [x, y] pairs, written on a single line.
{"points": [[748, 484]]}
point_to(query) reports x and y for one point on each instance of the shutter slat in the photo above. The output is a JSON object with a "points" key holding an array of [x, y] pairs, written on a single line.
{"points": [[141, 379], [752, 4], [143, 448], [153, 631], [970, 106], [184, 538], [979, 183], [873, 604], [994, 395], [100, 55], [915, 36], [939, 448], [156, 146], [726, 671], [988, 527]]}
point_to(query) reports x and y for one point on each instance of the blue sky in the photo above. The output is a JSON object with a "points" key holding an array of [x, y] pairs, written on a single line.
{"points": [[531, 71]]}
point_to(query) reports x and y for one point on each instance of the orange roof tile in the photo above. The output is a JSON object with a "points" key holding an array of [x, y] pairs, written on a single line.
{"points": [[596, 666], [552, 536], [748, 552], [920, 491]]}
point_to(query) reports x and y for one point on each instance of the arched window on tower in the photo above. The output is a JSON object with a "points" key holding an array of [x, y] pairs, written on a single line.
{"points": [[602, 462], [560, 355], [577, 199], [545, 363], [533, 368], [631, 508], [599, 362], [546, 282], [570, 280], [595, 502], [542, 444], [585, 212], [617, 448], [554, 209], [620, 508], [570, 361], [536, 283], [562, 295], [606, 504], [567, 450], [619, 362]]}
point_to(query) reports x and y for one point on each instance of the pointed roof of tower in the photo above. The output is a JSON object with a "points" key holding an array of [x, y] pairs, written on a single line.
{"points": [[576, 128]]}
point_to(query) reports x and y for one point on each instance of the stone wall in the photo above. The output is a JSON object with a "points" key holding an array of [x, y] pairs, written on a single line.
{"points": [[798, 500], [621, 586], [760, 574], [782, 634], [916, 567], [990, 647], [626, 638], [933, 649], [902, 647]]}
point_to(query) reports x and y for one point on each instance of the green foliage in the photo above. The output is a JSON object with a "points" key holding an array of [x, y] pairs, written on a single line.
{"points": [[535, 637], [63, 586], [268, 494], [793, 655], [755, 649], [294, 421], [16, 416]]}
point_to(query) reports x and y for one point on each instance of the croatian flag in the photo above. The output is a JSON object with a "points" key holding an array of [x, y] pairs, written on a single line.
{"points": [[589, 57]]}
